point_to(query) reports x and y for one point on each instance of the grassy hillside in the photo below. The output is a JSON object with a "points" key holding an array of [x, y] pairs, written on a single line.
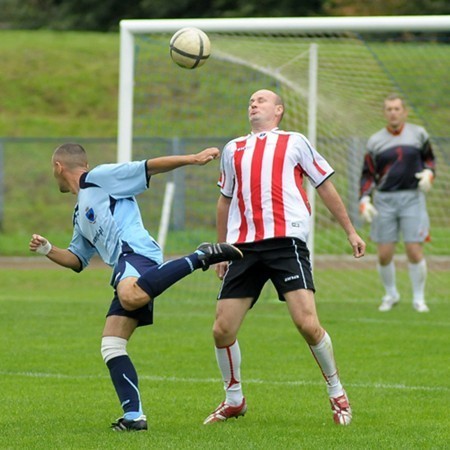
{"points": [[58, 84], [52, 84]]}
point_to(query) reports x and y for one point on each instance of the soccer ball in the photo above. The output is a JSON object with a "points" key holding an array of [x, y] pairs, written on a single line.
{"points": [[190, 48]]}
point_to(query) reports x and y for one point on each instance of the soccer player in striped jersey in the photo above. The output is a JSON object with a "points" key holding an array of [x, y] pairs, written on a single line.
{"points": [[107, 222], [264, 211], [398, 171]]}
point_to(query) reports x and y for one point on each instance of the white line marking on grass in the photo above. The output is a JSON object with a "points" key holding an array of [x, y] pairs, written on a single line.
{"points": [[285, 317], [397, 322], [396, 386]]}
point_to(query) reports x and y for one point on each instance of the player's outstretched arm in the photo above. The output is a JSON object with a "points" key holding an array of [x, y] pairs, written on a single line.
{"points": [[63, 257], [167, 163], [336, 206]]}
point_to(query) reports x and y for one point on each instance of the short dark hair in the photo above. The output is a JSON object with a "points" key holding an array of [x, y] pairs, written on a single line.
{"points": [[71, 154], [394, 96]]}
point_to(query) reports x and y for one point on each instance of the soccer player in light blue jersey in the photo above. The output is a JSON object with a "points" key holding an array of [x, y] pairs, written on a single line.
{"points": [[107, 222]]}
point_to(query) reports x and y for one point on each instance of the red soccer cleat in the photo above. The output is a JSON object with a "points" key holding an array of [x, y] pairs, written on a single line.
{"points": [[224, 412], [342, 412]]}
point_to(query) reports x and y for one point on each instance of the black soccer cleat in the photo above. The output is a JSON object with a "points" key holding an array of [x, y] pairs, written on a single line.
{"points": [[216, 253], [139, 424]]}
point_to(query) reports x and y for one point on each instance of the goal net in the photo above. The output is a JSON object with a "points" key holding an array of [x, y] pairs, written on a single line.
{"points": [[333, 75]]}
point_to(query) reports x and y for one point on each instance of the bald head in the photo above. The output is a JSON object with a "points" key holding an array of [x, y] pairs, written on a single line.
{"points": [[265, 110]]}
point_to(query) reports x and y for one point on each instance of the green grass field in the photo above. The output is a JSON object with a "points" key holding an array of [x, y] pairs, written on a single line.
{"points": [[56, 391], [55, 388]]}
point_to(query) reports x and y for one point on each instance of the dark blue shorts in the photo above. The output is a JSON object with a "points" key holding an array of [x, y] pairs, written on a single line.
{"points": [[284, 261], [131, 264]]}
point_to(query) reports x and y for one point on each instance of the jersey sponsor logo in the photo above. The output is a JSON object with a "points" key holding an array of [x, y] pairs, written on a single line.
{"points": [[241, 146], [97, 235], [90, 215], [296, 224]]}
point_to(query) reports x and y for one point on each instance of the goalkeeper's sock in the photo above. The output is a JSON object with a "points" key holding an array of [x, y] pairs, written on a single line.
{"points": [[125, 381], [157, 279], [387, 275], [418, 276], [229, 362], [323, 353]]}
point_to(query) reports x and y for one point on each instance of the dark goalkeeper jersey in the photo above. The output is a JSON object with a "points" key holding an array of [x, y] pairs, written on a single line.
{"points": [[393, 159]]}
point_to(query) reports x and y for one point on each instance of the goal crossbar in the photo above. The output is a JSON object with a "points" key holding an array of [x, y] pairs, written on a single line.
{"points": [[375, 24], [286, 25]]}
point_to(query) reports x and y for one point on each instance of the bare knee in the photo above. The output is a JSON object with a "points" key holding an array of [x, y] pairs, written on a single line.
{"points": [[310, 328], [414, 252], [303, 311], [131, 296], [130, 302], [386, 253], [224, 334], [229, 315]]}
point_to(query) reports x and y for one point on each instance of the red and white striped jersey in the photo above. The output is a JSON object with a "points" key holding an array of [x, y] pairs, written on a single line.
{"points": [[263, 175]]}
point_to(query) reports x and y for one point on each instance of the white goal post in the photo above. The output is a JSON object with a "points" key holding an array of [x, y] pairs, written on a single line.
{"points": [[333, 74], [130, 28]]}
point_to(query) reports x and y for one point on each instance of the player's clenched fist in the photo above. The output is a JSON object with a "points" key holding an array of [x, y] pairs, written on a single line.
{"points": [[40, 245], [207, 155]]}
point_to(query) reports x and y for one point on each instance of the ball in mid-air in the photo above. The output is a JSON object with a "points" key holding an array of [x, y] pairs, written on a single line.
{"points": [[190, 48]]}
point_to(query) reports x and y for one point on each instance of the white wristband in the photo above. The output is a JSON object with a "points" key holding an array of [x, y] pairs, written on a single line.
{"points": [[44, 249]]}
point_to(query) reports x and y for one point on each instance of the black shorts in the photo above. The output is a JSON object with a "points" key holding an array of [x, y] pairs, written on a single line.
{"points": [[131, 264], [285, 261]]}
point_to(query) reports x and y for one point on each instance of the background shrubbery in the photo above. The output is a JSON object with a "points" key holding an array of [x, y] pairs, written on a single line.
{"points": [[105, 15]]}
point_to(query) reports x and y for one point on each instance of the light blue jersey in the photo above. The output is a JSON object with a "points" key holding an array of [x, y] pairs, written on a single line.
{"points": [[107, 219]]}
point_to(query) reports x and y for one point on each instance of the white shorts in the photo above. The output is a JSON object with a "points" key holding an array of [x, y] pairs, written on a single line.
{"points": [[402, 212]]}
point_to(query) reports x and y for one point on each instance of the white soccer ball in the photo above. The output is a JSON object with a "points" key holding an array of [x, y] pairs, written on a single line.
{"points": [[190, 48]]}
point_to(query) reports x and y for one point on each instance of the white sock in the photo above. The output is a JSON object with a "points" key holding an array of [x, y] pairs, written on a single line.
{"points": [[323, 353], [229, 361], [418, 276], [387, 274]]}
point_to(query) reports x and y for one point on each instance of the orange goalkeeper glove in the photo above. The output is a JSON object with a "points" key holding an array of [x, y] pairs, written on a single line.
{"points": [[366, 209]]}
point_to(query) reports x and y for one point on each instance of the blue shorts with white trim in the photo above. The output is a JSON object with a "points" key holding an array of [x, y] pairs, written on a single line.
{"points": [[131, 265]]}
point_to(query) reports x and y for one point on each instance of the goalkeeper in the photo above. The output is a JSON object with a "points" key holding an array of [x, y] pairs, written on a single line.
{"points": [[398, 171]]}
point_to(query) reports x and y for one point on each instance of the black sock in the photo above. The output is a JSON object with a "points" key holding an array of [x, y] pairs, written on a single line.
{"points": [[125, 380], [157, 279]]}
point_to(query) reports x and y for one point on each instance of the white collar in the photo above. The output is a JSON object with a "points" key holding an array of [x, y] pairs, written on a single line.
{"points": [[263, 133]]}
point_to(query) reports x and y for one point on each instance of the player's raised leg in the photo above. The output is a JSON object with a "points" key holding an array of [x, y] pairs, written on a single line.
{"points": [[135, 294]]}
